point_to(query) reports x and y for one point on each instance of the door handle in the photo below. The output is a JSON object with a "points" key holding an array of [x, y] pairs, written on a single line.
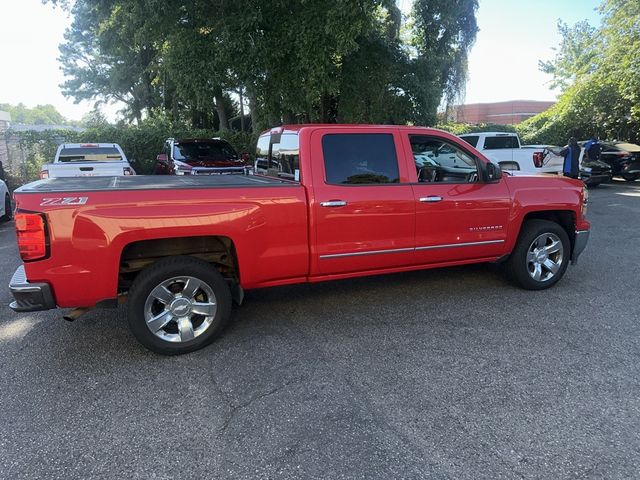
{"points": [[431, 199], [334, 203]]}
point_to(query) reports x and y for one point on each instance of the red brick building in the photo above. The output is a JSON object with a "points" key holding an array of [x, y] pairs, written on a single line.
{"points": [[503, 113]]}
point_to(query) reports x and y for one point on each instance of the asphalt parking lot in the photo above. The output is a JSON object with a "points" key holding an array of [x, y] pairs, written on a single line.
{"points": [[450, 374]]}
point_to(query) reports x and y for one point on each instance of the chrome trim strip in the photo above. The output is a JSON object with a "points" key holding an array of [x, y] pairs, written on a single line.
{"points": [[360, 254], [453, 245], [404, 250]]}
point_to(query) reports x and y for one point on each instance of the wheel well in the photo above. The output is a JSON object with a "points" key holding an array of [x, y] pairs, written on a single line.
{"points": [[565, 218], [216, 250]]}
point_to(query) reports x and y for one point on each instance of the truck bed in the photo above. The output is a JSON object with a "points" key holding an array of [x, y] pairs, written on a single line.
{"points": [[149, 182]]}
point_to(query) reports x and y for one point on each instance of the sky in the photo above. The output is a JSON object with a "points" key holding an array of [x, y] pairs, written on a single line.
{"points": [[503, 63]]}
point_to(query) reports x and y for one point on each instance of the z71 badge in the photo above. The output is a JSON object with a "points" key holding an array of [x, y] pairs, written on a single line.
{"points": [[64, 201]]}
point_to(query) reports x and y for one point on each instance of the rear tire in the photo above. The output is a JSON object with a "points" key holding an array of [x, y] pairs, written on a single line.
{"points": [[8, 212], [541, 255], [630, 177], [178, 305]]}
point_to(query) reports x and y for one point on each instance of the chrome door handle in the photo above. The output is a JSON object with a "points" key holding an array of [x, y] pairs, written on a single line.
{"points": [[334, 203], [431, 199]]}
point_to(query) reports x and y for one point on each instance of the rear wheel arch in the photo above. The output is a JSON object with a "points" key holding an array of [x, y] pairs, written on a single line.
{"points": [[219, 251]]}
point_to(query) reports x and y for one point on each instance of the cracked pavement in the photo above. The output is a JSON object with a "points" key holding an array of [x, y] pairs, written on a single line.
{"points": [[450, 374]]}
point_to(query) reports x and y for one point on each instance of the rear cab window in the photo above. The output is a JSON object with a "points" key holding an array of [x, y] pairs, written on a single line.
{"points": [[89, 154], [501, 142]]}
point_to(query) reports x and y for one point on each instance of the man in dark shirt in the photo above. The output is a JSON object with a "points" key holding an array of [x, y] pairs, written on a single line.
{"points": [[571, 154]]}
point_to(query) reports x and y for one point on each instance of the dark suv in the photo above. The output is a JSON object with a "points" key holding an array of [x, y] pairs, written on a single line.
{"points": [[623, 158], [199, 156]]}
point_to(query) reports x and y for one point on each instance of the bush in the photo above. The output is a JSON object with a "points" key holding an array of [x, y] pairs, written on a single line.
{"points": [[141, 143]]}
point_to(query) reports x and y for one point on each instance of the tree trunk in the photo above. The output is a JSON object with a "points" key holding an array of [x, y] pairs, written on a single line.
{"points": [[253, 105], [222, 114], [241, 109]]}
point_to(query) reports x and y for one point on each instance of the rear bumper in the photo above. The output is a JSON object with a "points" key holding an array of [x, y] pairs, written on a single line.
{"points": [[591, 179], [29, 297], [582, 237]]}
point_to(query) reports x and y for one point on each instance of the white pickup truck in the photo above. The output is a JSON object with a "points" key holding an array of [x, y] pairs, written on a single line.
{"points": [[504, 149], [88, 160]]}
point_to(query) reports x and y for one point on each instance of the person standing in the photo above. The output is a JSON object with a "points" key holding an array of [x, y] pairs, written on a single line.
{"points": [[592, 149], [571, 154]]}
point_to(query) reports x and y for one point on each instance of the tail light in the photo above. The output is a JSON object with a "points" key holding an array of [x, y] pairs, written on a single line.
{"points": [[538, 159], [44, 174], [31, 229]]}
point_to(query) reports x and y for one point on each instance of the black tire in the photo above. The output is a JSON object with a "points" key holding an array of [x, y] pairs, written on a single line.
{"points": [[168, 270], [631, 177], [8, 211], [593, 185], [518, 265]]}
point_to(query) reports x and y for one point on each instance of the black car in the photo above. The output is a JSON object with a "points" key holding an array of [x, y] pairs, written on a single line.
{"points": [[623, 158]]}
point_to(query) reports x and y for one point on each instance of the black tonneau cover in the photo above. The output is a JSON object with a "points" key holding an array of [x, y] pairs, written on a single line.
{"points": [[149, 182]]}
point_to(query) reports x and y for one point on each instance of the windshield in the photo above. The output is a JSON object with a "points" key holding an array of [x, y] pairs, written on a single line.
{"points": [[90, 154], [203, 150]]}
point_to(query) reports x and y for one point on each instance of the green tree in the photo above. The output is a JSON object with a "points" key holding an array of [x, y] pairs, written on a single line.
{"points": [[601, 82], [38, 115]]}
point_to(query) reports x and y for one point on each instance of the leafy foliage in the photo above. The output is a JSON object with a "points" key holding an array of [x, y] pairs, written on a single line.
{"points": [[141, 143], [39, 115], [311, 61], [600, 72]]}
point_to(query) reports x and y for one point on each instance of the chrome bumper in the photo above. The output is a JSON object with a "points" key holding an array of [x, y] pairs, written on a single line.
{"points": [[582, 237], [29, 297]]}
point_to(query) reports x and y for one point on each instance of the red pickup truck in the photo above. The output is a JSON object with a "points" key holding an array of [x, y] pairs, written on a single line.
{"points": [[340, 201]]}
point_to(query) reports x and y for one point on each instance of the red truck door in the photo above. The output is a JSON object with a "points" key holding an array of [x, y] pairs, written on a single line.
{"points": [[362, 208], [458, 216]]}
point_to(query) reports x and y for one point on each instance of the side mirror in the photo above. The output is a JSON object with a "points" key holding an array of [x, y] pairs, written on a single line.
{"points": [[162, 158], [492, 173]]}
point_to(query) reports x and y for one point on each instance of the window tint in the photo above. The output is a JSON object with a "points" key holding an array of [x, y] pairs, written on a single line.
{"points": [[471, 140], [360, 158], [439, 161], [498, 143]]}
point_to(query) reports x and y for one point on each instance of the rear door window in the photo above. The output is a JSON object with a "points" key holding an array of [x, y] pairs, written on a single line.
{"points": [[501, 142], [360, 158]]}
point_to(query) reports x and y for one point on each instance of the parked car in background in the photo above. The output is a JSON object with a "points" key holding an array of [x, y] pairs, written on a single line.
{"points": [[5, 198], [88, 160], [199, 156], [623, 158], [504, 148]]}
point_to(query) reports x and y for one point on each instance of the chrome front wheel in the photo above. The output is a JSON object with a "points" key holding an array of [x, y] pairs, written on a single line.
{"points": [[544, 257]]}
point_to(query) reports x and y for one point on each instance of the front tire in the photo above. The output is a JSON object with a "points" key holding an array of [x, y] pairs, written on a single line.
{"points": [[541, 255], [178, 305]]}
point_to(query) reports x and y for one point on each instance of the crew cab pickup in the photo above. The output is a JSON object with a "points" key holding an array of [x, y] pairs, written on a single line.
{"points": [[364, 200], [505, 149], [87, 160]]}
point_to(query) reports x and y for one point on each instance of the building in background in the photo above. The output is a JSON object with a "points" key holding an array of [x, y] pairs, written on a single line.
{"points": [[502, 113]]}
